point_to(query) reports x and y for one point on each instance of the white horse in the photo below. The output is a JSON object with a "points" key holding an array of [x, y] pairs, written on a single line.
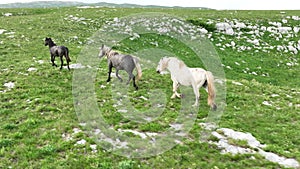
{"points": [[195, 77]]}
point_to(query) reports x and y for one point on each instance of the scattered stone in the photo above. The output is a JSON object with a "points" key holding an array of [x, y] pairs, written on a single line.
{"points": [[31, 69], [9, 85], [7, 14], [224, 134], [81, 142], [266, 103], [237, 83]]}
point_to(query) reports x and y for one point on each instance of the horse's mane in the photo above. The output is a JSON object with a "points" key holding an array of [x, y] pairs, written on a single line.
{"points": [[180, 62], [113, 52], [110, 51], [51, 42]]}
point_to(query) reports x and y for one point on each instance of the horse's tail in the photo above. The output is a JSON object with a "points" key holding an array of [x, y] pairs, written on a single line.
{"points": [[211, 90], [67, 55], [138, 68]]}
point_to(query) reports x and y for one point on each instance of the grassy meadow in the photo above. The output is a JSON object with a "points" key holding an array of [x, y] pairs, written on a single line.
{"points": [[39, 127]]}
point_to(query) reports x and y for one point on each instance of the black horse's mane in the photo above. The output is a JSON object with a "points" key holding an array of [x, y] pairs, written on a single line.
{"points": [[51, 43]]}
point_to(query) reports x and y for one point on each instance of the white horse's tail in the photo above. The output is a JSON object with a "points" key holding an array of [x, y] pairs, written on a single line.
{"points": [[138, 68], [211, 90]]}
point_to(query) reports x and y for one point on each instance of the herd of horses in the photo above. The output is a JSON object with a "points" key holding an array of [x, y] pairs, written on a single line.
{"points": [[180, 73]]}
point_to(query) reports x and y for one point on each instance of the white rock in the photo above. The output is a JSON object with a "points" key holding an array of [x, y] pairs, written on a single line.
{"points": [[272, 29], [76, 130], [266, 103], [254, 42], [123, 111], [144, 98], [291, 163], [263, 28], [278, 24], [240, 25], [284, 30], [102, 86], [67, 137], [203, 31], [229, 31], [296, 29], [75, 66], [142, 135], [252, 142], [81, 142], [9, 85], [94, 148], [232, 43], [297, 18], [2, 31], [31, 69], [227, 134], [8, 14], [225, 27], [116, 19], [292, 49], [284, 21], [237, 83], [274, 95], [40, 61]]}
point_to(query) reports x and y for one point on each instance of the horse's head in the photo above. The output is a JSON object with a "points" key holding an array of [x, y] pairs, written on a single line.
{"points": [[103, 50], [47, 41], [162, 64]]}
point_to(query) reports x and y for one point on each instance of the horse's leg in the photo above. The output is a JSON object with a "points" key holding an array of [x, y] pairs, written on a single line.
{"points": [[52, 60], [177, 94], [62, 62], [197, 95], [109, 71], [175, 87], [67, 63], [131, 76], [134, 85], [117, 74]]}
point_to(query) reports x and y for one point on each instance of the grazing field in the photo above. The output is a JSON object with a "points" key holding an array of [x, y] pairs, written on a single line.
{"points": [[259, 51]]}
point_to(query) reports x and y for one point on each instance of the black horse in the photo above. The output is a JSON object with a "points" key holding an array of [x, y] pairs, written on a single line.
{"points": [[57, 51]]}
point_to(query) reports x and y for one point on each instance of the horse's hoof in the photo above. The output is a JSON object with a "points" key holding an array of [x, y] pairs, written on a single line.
{"points": [[136, 88], [195, 105], [108, 80], [214, 107], [182, 96]]}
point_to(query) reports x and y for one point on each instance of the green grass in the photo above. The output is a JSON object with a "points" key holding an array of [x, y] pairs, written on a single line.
{"points": [[39, 110]]}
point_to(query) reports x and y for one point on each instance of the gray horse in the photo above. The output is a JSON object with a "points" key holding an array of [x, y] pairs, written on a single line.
{"points": [[57, 51], [121, 62]]}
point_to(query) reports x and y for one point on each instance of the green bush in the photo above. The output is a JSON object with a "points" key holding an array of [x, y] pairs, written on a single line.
{"points": [[208, 27]]}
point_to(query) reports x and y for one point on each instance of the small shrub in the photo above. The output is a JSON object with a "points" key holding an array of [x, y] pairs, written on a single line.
{"points": [[128, 164], [6, 142], [208, 27], [47, 150]]}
